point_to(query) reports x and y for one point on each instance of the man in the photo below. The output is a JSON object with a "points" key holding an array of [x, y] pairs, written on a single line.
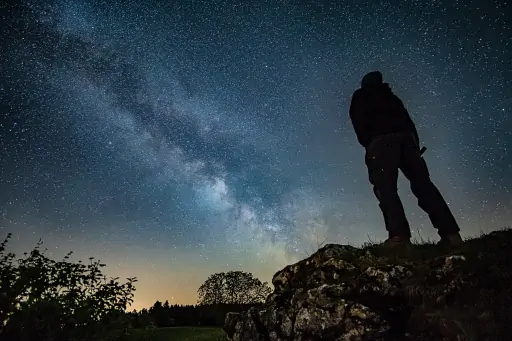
{"points": [[385, 129]]}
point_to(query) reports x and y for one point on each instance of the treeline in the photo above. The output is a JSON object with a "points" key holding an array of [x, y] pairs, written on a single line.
{"points": [[165, 315], [221, 293]]}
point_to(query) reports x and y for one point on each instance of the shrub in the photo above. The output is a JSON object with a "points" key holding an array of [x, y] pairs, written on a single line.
{"points": [[43, 299]]}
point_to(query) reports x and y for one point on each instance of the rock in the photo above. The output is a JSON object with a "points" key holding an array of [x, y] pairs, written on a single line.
{"points": [[231, 322], [347, 293]]}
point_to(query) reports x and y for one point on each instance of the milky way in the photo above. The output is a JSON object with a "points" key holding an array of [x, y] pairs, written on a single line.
{"points": [[175, 139]]}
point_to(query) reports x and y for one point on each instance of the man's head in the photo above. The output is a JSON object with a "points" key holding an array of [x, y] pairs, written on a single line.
{"points": [[372, 78]]}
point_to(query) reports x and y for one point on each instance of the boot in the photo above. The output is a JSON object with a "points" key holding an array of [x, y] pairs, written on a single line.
{"points": [[451, 240], [396, 242]]}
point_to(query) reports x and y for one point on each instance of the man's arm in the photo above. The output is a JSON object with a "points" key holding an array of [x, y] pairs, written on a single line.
{"points": [[415, 132], [357, 116], [413, 127], [410, 121]]}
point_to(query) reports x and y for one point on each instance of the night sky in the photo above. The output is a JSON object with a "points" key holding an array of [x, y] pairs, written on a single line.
{"points": [[176, 139]]}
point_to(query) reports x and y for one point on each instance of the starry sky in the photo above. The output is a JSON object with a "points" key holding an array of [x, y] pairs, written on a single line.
{"points": [[176, 139]]}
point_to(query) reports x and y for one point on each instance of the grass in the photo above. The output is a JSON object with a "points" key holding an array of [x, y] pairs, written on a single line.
{"points": [[177, 334]]}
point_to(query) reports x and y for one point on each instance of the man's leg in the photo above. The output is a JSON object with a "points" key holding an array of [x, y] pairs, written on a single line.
{"points": [[382, 159], [430, 199]]}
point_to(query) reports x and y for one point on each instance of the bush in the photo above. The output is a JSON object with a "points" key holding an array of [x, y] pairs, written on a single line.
{"points": [[43, 299]]}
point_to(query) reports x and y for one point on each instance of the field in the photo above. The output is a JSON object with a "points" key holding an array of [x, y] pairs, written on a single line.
{"points": [[177, 334]]}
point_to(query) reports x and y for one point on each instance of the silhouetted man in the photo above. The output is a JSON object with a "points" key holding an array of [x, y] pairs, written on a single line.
{"points": [[385, 129]]}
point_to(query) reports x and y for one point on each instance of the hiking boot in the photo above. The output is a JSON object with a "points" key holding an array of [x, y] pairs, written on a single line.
{"points": [[396, 242], [451, 240]]}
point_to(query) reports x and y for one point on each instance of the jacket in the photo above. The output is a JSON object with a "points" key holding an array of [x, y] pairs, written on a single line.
{"points": [[375, 110]]}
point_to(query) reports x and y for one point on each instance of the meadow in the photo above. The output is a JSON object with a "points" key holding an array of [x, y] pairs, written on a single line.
{"points": [[177, 334]]}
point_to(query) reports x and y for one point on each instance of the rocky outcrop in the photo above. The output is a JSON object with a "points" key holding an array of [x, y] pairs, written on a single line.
{"points": [[347, 293]]}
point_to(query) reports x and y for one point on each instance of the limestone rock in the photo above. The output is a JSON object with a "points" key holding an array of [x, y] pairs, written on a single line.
{"points": [[347, 293]]}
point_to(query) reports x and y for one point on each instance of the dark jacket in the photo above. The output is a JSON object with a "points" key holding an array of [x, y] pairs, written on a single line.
{"points": [[375, 110]]}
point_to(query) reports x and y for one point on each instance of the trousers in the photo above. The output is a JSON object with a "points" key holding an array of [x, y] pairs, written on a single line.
{"points": [[384, 157]]}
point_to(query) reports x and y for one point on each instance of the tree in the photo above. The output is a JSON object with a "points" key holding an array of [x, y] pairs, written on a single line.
{"points": [[233, 287], [161, 314], [44, 299]]}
